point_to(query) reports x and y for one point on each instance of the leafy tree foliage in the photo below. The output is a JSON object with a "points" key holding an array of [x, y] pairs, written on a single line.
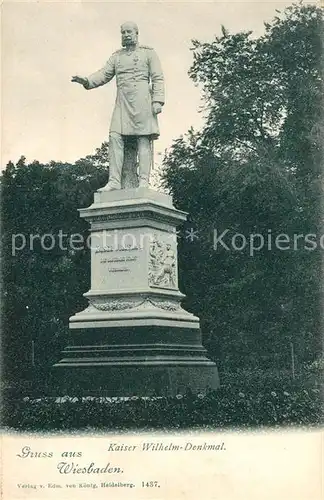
{"points": [[255, 167], [43, 281]]}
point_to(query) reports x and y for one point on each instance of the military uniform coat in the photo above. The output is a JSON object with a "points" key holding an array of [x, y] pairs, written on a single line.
{"points": [[140, 82]]}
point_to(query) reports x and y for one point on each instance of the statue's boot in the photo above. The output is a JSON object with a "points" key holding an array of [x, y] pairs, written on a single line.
{"points": [[109, 187], [116, 159], [145, 160]]}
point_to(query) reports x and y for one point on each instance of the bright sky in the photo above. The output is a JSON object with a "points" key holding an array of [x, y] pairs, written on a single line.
{"points": [[45, 117]]}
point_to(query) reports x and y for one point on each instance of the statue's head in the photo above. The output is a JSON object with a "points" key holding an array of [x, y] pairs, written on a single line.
{"points": [[129, 34]]}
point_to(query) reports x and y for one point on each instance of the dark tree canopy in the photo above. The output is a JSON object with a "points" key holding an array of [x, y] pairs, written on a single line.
{"points": [[255, 167], [42, 288]]}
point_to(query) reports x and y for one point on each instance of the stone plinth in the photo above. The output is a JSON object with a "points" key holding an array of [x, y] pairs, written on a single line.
{"points": [[134, 338]]}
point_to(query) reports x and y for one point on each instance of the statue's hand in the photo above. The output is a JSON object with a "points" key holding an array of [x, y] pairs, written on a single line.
{"points": [[79, 79], [156, 108]]}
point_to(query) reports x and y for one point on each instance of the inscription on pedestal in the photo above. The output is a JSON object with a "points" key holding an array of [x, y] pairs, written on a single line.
{"points": [[112, 263], [116, 266]]}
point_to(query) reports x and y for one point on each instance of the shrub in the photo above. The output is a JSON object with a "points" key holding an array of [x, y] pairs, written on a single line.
{"points": [[226, 407]]}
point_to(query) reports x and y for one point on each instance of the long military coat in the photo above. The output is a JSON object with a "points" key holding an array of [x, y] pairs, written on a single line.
{"points": [[140, 82]]}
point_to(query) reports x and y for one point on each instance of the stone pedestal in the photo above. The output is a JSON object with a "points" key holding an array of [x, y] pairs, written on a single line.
{"points": [[134, 338]]}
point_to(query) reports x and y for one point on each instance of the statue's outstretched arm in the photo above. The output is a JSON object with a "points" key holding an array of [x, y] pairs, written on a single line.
{"points": [[104, 75]]}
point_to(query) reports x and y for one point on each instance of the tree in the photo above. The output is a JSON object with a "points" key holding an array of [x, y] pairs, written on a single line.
{"points": [[43, 274], [255, 167]]}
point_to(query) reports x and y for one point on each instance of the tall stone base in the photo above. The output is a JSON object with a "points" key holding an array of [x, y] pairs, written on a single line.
{"points": [[134, 338]]}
